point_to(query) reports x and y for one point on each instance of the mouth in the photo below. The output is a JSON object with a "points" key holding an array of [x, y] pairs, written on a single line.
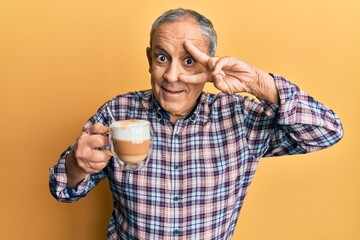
{"points": [[170, 92]]}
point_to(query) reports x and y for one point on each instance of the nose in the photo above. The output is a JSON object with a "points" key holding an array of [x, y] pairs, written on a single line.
{"points": [[172, 72]]}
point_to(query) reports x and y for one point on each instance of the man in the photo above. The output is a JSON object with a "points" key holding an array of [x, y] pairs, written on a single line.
{"points": [[205, 147]]}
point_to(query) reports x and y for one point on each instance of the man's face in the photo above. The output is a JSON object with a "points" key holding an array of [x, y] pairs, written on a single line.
{"points": [[168, 59]]}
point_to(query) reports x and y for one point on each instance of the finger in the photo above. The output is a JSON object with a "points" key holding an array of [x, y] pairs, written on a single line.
{"points": [[97, 128], [99, 156], [212, 62], [95, 163], [230, 63], [92, 141], [220, 84], [222, 63], [98, 141], [198, 55], [198, 78], [92, 156]]}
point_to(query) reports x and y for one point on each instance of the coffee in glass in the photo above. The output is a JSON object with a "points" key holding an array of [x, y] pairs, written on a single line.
{"points": [[130, 143]]}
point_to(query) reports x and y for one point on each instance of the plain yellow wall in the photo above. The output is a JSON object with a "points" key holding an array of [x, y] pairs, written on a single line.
{"points": [[61, 59]]}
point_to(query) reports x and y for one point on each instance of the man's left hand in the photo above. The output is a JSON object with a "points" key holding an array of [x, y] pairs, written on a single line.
{"points": [[231, 75]]}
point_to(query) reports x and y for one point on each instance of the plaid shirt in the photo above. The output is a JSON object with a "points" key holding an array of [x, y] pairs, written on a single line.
{"points": [[200, 168]]}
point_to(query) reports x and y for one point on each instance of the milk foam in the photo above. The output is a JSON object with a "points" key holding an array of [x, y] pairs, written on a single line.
{"points": [[131, 130]]}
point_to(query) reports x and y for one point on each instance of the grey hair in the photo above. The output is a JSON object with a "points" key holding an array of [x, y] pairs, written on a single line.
{"points": [[205, 25]]}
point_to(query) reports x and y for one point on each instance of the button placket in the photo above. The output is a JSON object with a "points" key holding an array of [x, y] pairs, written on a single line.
{"points": [[175, 166]]}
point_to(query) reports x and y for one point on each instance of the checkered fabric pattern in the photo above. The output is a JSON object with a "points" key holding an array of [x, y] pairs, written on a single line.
{"points": [[200, 168]]}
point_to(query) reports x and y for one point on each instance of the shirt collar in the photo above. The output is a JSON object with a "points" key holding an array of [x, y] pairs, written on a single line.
{"points": [[162, 114]]}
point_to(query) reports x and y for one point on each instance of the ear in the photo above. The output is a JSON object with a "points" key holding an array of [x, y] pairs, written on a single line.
{"points": [[149, 57]]}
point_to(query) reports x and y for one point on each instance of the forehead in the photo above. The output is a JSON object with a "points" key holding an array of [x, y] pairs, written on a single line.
{"points": [[174, 34]]}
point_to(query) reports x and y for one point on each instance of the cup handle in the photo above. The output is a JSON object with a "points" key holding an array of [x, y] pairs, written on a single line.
{"points": [[108, 152]]}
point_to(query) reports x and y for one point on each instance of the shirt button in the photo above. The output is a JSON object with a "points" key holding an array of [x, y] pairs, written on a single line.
{"points": [[176, 136], [176, 167], [176, 232], [176, 198]]}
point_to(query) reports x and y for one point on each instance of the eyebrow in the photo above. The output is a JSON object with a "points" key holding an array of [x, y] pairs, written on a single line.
{"points": [[161, 49]]}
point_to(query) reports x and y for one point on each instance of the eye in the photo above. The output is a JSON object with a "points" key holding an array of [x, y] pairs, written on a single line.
{"points": [[189, 61], [161, 58]]}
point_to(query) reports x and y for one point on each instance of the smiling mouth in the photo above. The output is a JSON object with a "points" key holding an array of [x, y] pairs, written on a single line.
{"points": [[172, 92]]}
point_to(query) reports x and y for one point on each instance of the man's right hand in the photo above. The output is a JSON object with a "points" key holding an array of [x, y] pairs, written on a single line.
{"points": [[86, 156]]}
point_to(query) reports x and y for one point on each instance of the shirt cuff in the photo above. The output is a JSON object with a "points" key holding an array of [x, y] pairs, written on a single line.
{"points": [[58, 182], [289, 95], [80, 190]]}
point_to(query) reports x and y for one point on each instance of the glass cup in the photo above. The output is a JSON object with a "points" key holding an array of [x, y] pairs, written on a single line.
{"points": [[130, 143]]}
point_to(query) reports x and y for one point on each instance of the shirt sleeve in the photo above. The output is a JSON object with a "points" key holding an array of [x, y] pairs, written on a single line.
{"points": [[58, 182], [58, 179], [302, 124]]}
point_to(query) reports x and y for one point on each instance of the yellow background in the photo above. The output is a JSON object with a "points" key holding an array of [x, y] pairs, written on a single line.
{"points": [[60, 60]]}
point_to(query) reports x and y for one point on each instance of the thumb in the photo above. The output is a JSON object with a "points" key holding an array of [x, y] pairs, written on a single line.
{"points": [[97, 128]]}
